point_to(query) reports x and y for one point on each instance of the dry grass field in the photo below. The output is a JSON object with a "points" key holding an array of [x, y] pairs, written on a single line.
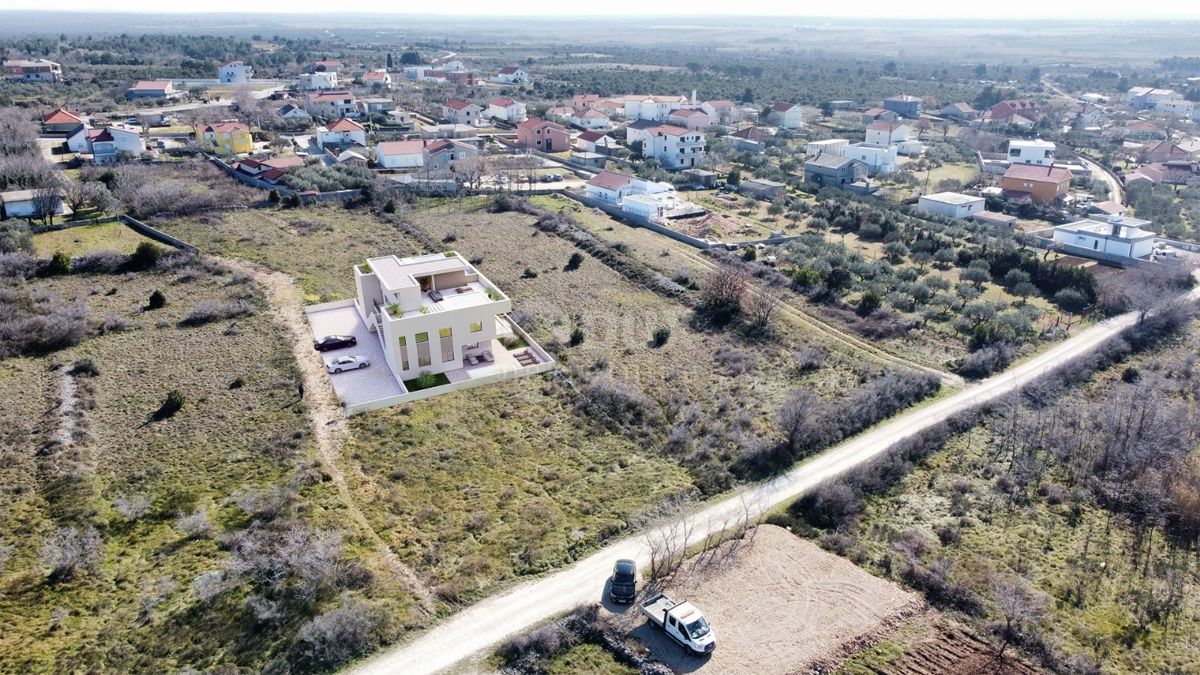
{"points": [[77, 240]]}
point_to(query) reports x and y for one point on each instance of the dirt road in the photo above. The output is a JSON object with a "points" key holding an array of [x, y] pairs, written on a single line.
{"points": [[512, 612]]}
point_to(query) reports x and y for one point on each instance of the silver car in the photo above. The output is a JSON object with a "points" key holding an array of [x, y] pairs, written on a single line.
{"points": [[340, 363]]}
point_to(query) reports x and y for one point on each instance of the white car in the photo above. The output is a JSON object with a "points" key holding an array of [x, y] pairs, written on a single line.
{"points": [[340, 363]]}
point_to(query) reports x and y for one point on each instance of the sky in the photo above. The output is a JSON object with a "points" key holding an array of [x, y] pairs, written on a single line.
{"points": [[861, 9]]}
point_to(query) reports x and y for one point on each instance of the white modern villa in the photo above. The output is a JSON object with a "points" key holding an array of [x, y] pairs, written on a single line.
{"points": [[425, 315]]}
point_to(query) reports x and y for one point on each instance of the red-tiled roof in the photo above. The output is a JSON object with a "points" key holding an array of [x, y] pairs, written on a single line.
{"points": [[501, 102], [669, 130], [458, 104], [590, 136], [401, 147], [344, 124], [62, 116], [609, 180], [101, 134], [284, 162], [151, 85], [509, 70], [782, 106], [687, 112], [537, 123], [226, 127], [1032, 172], [875, 112], [334, 96], [721, 103], [375, 75]]}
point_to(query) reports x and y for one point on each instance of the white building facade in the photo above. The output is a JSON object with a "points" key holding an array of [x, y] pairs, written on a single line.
{"points": [[879, 159], [951, 205], [235, 72], [1037, 151]]}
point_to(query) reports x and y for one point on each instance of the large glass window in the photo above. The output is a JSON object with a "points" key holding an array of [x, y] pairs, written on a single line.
{"points": [[447, 346], [477, 327], [403, 353], [423, 358]]}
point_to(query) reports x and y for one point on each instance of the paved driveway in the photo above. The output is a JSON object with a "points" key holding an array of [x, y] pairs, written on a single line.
{"points": [[357, 386]]}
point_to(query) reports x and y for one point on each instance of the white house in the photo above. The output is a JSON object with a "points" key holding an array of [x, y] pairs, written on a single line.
{"points": [[235, 72], [722, 111], [506, 109], [400, 154], [152, 89], [656, 108], [887, 133], [379, 78], [325, 79], [589, 119], [950, 205], [830, 147], [786, 115], [28, 204], [878, 158], [611, 187], [595, 141], [291, 111], [458, 111], [1178, 107], [333, 105], [1141, 98], [1037, 152], [512, 75], [1117, 235], [675, 147], [693, 119], [108, 144], [342, 132]]}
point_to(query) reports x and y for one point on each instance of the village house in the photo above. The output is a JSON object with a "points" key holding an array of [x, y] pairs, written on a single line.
{"points": [[879, 159], [904, 105], [611, 187], [961, 111], [675, 147], [506, 110], [722, 111], [589, 119], [887, 133], [375, 106], [834, 171], [267, 168], [596, 141], [543, 135], [327, 66], [151, 89], [62, 121], [107, 145], [833, 147], [872, 115], [35, 70], [639, 131], [332, 105], [1146, 98], [692, 119], [1086, 115], [953, 205], [656, 108], [1151, 174], [1035, 151], [342, 132], [1178, 107], [378, 80], [761, 188], [458, 111], [291, 111], [1044, 185], [318, 81], [400, 154], [1108, 208], [561, 114], [1114, 235], [235, 72], [1015, 112], [1143, 130], [446, 156], [32, 203], [749, 139], [786, 115], [512, 75], [449, 131], [1165, 151], [400, 118], [228, 137]]}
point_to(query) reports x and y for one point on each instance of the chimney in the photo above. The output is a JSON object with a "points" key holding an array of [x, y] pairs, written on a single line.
{"points": [[693, 96]]}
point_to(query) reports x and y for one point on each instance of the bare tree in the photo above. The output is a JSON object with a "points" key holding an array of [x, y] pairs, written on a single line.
{"points": [[760, 310], [47, 200], [723, 291], [1017, 605], [669, 542]]}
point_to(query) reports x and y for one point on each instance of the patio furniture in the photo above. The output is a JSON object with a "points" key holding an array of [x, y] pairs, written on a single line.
{"points": [[435, 295], [487, 356], [464, 289], [472, 360]]}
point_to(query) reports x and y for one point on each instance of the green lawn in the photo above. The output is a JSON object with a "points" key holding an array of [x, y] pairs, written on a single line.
{"points": [[75, 241]]}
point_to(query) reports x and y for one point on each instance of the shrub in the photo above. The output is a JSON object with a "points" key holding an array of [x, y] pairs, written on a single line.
{"points": [[576, 337], [60, 263], [574, 262], [208, 311], [85, 366], [273, 196], [661, 335], [868, 303], [132, 507], [195, 525], [100, 262], [339, 635], [38, 323], [145, 256], [15, 237], [157, 300], [529, 273], [735, 362], [171, 405], [69, 551]]}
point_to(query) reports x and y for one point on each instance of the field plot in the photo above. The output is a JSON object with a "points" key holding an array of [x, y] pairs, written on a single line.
{"points": [[85, 238]]}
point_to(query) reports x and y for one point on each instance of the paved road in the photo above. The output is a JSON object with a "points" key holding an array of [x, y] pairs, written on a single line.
{"points": [[1116, 192], [514, 611]]}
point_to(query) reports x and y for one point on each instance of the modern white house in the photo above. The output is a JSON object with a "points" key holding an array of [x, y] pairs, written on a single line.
{"points": [[325, 79], [1142, 98], [400, 154], [107, 145], [1036, 151], [786, 115], [1116, 235], [506, 109], [342, 132], [951, 205], [656, 108], [512, 75], [235, 72], [675, 147], [332, 105], [637, 196], [1178, 107], [887, 133], [878, 158], [829, 147]]}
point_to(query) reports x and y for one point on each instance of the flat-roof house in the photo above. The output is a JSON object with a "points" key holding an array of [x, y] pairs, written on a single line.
{"points": [[1114, 235], [32, 203], [1034, 151], [833, 147], [880, 159], [235, 72], [903, 105], [458, 111], [543, 135], [507, 110], [950, 205], [33, 70], [834, 171], [151, 89], [761, 188], [887, 133], [786, 115], [611, 187], [1142, 98], [62, 121], [1040, 184], [342, 132]]}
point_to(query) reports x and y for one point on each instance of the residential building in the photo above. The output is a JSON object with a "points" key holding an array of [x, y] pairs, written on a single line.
{"points": [[151, 89], [1108, 208], [235, 72], [1002, 220], [31, 203], [1143, 130], [761, 188], [833, 147], [228, 137], [887, 133], [400, 118], [400, 154], [416, 73], [611, 187], [1086, 115], [722, 111], [62, 121], [786, 115], [656, 108], [639, 131], [376, 106], [259, 168], [960, 111], [1044, 185], [1144, 98], [543, 135], [872, 115], [291, 111], [835, 171], [35, 70], [342, 132], [319, 80], [562, 114], [693, 119], [750, 139], [507, 110], [379, 79], [1114, 235], [596, 141], [512, 75], [1165, 151], [1017, 112], [950, 205], [107, 145], [432, 313], [1151, 174], [675, 147], [1178, 107], [589, 119], [1036, 151], [458, 111], [879, 159], [444, 156], [327, 66], [903, 105], [449, 131], [332, 105]]}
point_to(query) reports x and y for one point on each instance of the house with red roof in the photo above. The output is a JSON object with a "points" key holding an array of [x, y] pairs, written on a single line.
{"points": [[332, 104], [676, 147], [694, 119], [378, 79], [458, 111], [1019, 112], [1044, 185], [543, 135], [342, 132], [506, 109], [786, 115], [106, 145], [512, 75], [444, 155], [595, 141], [872, 115], [152, 89], [400, 154], [1165, 151], [62, 121], [590, 119]]}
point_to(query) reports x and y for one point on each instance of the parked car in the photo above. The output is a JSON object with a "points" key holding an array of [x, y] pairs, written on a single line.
{"points": [[557, 177], [334, 342], [623, 583], [683, 621], [353, 362]]}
